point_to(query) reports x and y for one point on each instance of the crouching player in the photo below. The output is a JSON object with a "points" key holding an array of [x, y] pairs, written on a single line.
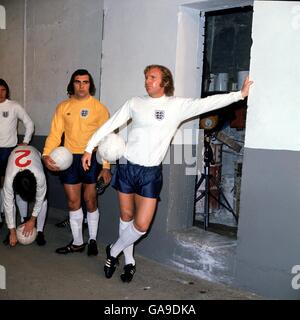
{"points": [[25, 182]]}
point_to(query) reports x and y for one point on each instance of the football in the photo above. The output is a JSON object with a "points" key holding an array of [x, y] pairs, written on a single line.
{"points": [[25, 240], [62, 157], [111, 148]]}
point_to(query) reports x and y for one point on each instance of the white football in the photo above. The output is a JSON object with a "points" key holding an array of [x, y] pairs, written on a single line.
{"points": [[62, 157], [111, 148], [25, 240]]}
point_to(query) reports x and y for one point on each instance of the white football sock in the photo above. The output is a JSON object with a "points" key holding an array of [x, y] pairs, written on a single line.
{"points": [[93, 221], [129, 236], [42, 217], [128, 252], [76, 218], [23, 207]]}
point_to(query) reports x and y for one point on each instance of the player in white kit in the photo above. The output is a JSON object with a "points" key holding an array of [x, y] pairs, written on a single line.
{"points": [[155, 119], [10, 113], [25, 179]]}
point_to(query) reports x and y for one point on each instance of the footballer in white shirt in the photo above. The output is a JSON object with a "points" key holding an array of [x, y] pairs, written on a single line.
{"points": [[25, 182], [155, 119]]}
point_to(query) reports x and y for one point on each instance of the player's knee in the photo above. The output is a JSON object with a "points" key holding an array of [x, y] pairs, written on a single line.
{"points": [[73, 204], [91, 204], [126, 215], [141, 227]]}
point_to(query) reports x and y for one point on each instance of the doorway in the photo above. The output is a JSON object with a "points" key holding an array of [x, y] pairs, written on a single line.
{"points": [[226, 60]]}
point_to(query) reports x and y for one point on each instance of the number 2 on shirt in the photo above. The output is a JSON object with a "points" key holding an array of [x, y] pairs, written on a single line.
{"points": [[24, 154]]}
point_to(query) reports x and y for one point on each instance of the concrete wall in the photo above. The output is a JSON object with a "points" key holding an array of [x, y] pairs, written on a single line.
{"points": [[45, 41], [61, 36], [12, 48], [268, 235]]}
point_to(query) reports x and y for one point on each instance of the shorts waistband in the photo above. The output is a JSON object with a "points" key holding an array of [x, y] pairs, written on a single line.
{"points": [[139, 165]]}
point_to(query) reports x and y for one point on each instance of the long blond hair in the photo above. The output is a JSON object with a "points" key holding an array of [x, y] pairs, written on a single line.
{"points": [[167, 78]]}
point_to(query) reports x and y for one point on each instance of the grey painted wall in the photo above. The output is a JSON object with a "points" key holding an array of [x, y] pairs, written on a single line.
{"points": [[268, 234], [12, 48], [62, 36], [45, 41]]}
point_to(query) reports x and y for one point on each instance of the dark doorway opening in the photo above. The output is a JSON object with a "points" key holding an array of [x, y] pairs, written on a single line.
{"points": [[226, 60]]}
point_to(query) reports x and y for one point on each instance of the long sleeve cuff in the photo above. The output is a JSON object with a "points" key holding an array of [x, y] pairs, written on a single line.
{"points": [[240, 95], [89, 149], [35, 214]]}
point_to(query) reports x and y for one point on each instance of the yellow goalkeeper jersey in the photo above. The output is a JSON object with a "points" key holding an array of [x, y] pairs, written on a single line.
{"points": [[78, 120]]}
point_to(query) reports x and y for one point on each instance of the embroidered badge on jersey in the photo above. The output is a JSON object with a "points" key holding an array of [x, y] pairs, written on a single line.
{"points": [[159, 114], [84, 113], [5, 114]]}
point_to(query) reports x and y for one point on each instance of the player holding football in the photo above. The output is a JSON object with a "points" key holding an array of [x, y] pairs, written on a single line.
{"points": [[78, 118], [155, 119], [25, 178]]}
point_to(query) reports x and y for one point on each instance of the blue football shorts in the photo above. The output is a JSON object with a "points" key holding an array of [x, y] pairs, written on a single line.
{"points": [[133, 178], [4, 155], [75, 173]]}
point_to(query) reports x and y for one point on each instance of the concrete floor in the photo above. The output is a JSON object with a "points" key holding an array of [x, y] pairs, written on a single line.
{"points": [[34, 272]]}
